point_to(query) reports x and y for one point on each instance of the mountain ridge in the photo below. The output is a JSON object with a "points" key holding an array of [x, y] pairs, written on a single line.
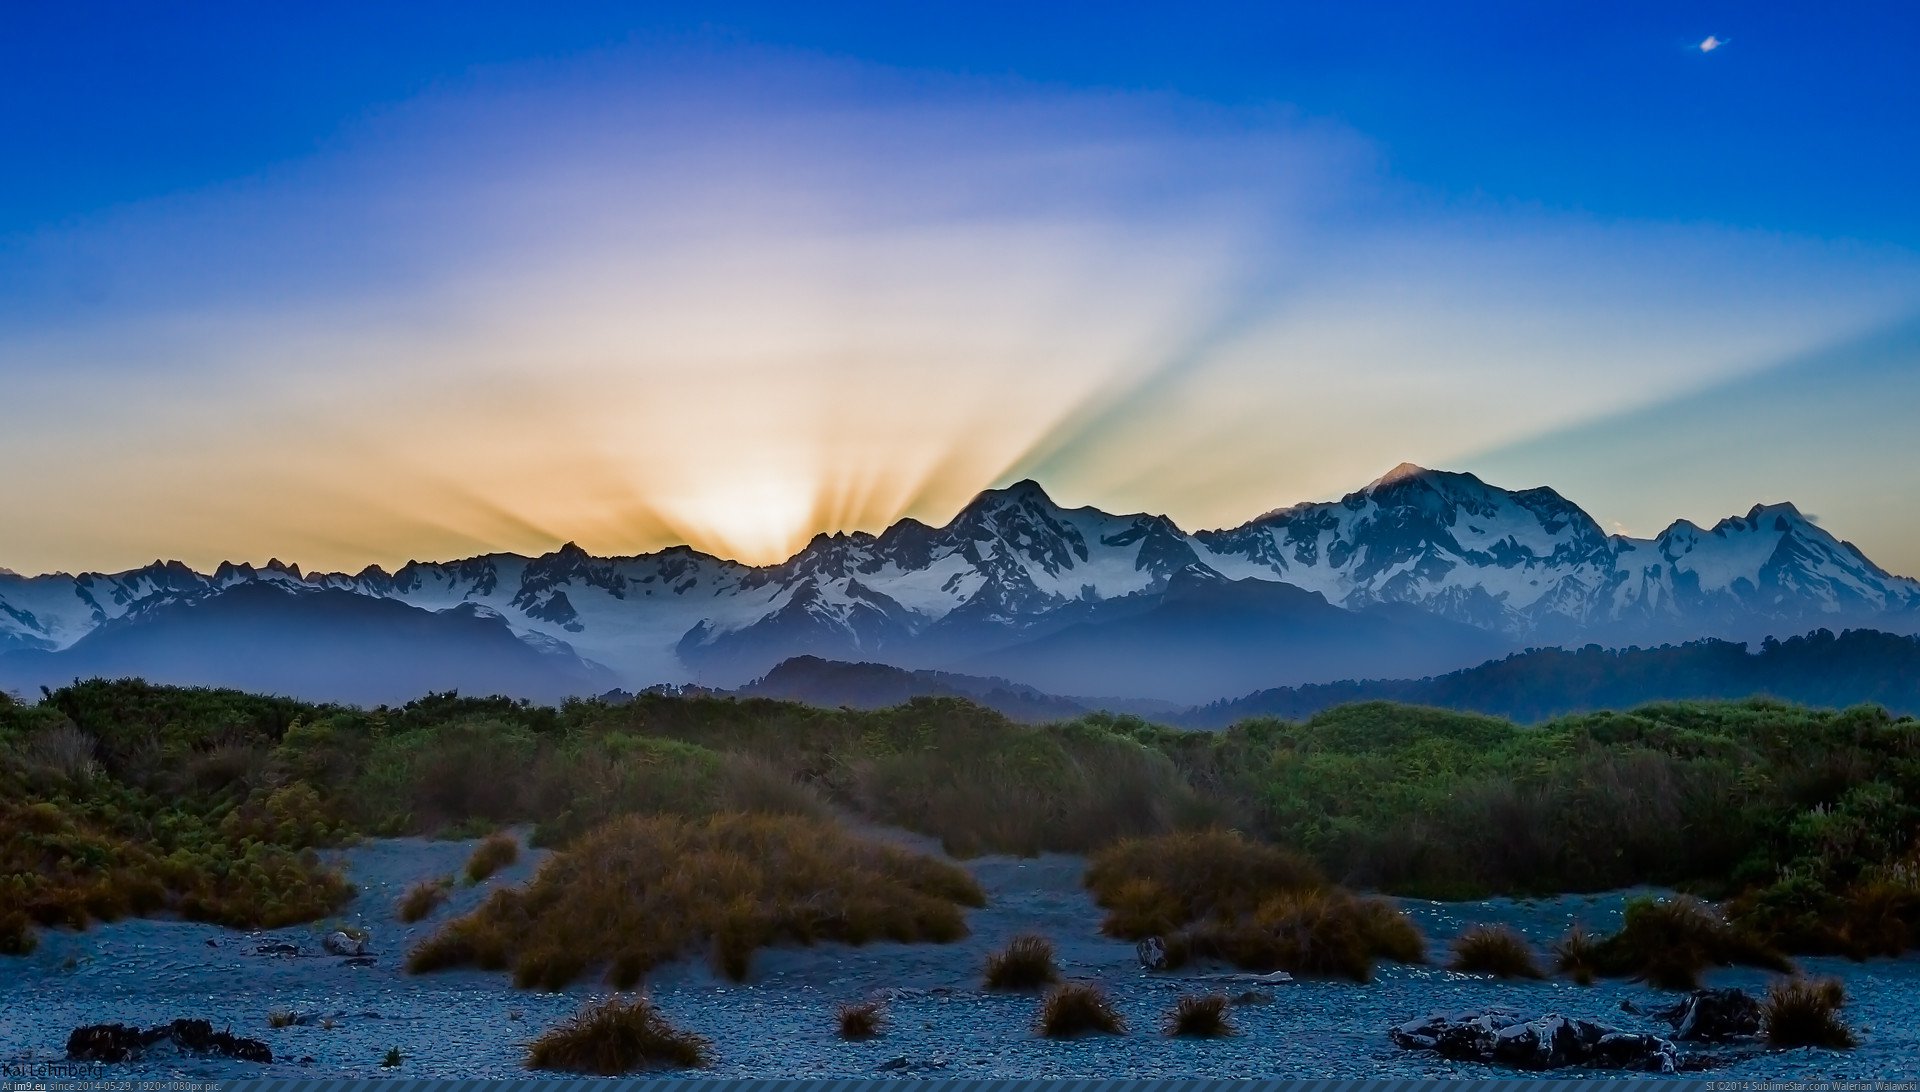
{"points": [[1013, 567]]}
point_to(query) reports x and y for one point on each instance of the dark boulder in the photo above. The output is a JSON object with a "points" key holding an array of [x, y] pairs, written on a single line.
{"points": [[1714, 1016], [125, 1043], [1152, 953], [1503, 1037]]}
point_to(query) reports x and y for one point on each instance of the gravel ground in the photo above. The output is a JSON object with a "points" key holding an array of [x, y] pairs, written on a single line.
{"points": [[470, 1023]]}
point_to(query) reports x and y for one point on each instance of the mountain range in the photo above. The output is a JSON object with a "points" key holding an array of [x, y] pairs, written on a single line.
{"points": [[1417, 573]]}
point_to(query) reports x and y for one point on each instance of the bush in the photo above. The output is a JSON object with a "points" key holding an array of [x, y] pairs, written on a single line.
{"points": [[1803, 1013], [16, 934], [641, 890], [1026, 963], [1078, 1008], [749, 783], [859, 1020], [1151, 886], [1496, 950], [1200, 1017], [1576, 956], [61, 753], [1328, 933], [496, 852], [614, 1038], [424, 898], [1668, 942]]}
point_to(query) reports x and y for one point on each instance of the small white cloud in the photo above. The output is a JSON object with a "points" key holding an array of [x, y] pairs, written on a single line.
{"points": [[1711, 43]]}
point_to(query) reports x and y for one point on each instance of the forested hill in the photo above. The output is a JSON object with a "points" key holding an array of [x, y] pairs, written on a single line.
{"points": [[1821, 669]]}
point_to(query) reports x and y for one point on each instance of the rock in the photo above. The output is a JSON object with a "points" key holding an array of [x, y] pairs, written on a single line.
{"points": [[359, 961], [1153, 953], [124, 1042], [340, 944], [1253, 997], [1503, 1037], [903, 1064], [1714, 1016], [277, 948], [1272, 978]]}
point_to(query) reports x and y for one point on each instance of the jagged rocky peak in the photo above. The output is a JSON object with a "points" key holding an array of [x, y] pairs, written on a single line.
{"points": [[1014, 562], [276, 565]]}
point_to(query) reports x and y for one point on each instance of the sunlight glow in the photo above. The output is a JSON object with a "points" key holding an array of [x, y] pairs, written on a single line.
{"points": [[632, 319]]}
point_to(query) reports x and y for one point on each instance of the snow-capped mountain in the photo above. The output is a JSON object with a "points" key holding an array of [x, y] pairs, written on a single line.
{"points": [[1014, 567], [1534, 565]]}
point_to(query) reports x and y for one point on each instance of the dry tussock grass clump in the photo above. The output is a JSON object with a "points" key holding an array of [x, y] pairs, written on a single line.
{"points": [[1576, 955], [1879, 916], [1799, 1012], [1203, 1017], [62, 753], [1217, 894], [423, 898], [495, 853], [1152, 886], [617, 1037], [1026, 963], [1669, 942], [1496, 950], [1329, 934], [639, 891], [16, 934], [1078, 1008], [859, 1019], [751, 783]]}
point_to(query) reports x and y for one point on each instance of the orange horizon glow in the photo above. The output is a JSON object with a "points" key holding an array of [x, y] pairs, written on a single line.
{"points": [[633, 320]]}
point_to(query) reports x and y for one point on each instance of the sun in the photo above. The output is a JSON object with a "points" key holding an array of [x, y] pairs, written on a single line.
{"points": [[760, 519]]}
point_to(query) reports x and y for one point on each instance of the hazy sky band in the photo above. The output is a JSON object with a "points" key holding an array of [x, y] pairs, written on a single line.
{"points": [[732, 286]]}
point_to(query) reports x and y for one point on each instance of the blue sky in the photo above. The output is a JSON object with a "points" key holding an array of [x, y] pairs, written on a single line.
{"points": [[1229, 256]]}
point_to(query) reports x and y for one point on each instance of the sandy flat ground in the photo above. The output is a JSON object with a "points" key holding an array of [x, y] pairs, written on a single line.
{"points": [[780, 1023]]}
